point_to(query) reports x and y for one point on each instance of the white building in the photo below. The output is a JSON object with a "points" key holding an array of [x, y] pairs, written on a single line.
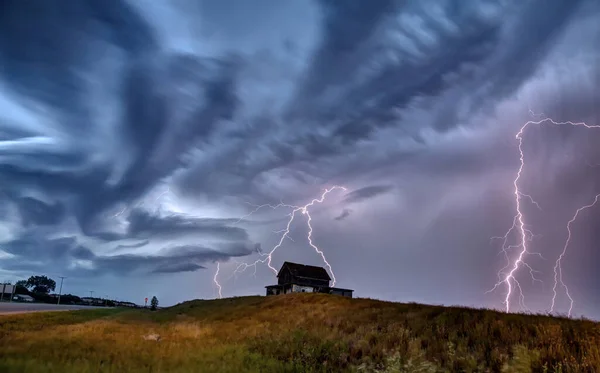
{"points": [[23, 298]]}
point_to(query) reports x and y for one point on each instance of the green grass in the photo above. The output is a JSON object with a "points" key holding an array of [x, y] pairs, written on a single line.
{"points": [[297, 333]]}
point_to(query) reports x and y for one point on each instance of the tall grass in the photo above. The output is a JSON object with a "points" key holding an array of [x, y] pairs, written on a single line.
{"points": [[297, 333]]}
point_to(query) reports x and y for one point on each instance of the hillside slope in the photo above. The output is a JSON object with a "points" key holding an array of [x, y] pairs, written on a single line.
{"points": [[297, 333]]}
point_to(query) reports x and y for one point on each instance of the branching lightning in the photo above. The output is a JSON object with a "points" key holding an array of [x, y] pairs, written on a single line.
{"points": [[557, 267], [525, 235], [285, 233]]}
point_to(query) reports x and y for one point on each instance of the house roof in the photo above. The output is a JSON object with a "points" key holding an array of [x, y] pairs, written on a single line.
{"points": [[306, 271]]}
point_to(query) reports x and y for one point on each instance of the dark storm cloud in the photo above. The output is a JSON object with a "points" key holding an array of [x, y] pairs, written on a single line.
{"points": [[343, 215], [81, 252], [365, 193], [178, 267], [133, 246], [142, 223], [502, 58], [347, 28], [460, 55], [31, 247], [38, 44], [42, 65], [234, 249], [360, 106], [37, 254], [128, 263], [34, 211], [170, 260]]}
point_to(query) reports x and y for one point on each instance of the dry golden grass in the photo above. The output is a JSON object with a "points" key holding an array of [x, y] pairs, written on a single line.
{"points": [[297, 333]]}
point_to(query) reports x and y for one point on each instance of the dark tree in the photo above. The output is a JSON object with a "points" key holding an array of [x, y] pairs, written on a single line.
{"points": [[40, 284], [21, 287], [153, 303]]}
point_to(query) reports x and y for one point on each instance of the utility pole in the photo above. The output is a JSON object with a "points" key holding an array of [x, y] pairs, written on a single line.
{"points": [[91, 294], [60, 291]]}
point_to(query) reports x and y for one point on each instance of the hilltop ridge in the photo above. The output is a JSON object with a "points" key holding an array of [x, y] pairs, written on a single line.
{"points": [[299, 333]]}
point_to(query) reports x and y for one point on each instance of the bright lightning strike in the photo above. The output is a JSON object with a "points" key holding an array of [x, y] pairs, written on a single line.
{"points": [[525, 235], [216, 281], [267, 257], [557, 268]]}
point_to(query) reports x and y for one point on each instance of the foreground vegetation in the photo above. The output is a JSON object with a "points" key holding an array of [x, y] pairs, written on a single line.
{"points": [[296, 333]]}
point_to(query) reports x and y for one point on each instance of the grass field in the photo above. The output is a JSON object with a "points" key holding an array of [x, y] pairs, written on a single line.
{"points": [[297, 333]]}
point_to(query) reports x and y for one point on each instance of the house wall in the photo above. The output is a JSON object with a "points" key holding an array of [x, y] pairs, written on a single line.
{"points": [[274, 291], [342, 293], [310, 282], [302, 289], [285, 277]]}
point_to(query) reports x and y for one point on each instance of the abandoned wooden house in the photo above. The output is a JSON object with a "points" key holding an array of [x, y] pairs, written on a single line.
{"points": [[300, 278]]}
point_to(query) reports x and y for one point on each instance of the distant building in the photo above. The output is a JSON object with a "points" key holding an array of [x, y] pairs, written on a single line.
{"points": [[125, 304], [23, 298], [93, 301], [7, 289], [300, 278]]}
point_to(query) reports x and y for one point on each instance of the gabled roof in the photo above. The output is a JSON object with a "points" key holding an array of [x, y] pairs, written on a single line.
{"points": [[306, 271]]}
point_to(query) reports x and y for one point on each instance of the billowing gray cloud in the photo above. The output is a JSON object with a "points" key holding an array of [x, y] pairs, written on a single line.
{"points": [[368, 192], [38, 254], [178, 267], [141, 264], [133, 245], [134, 135], [34, 211], [38, 248], [143, 224]]}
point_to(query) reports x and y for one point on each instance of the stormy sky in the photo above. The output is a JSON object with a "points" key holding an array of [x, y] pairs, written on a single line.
{"points": [[137, 136]]}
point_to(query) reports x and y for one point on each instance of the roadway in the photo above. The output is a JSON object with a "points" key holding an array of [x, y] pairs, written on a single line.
{"points": [[7, 308]]}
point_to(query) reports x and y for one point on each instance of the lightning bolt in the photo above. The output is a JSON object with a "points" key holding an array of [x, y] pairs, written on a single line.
{"points": [[557, 267], [258, 207], [268, 257], [526, 235], [162, 194], [120, 212], [216, 281]]}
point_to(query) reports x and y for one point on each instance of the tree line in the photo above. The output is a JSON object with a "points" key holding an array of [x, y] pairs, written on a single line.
{"points": [[39, 287]]}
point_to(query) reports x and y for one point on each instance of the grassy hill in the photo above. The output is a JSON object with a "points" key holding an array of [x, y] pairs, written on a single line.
{"points": [[297, 333]]}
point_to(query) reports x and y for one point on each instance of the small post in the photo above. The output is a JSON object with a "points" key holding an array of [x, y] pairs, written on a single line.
{"points": [[60, 291], [12, 295]]}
